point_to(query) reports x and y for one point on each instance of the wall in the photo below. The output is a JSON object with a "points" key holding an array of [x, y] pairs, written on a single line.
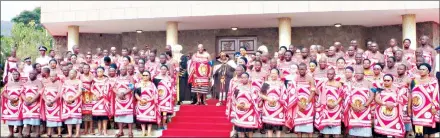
{"points": [[301, 36], [382, 34]]}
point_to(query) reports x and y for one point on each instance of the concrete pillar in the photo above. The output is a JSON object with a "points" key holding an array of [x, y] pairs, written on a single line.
{"points": [[172, 34], [72, 37], [409, 29], [284, 31]]}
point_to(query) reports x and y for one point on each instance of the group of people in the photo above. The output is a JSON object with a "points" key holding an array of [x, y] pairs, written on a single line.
{"points": [[303, 90], [331, 92], [134, 87]]}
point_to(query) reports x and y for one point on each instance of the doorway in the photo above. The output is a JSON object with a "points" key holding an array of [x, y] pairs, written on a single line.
{"points": [[230, 45]]}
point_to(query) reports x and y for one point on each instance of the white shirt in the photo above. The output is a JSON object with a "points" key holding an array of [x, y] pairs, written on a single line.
{"points": [[43, 60], [27, 69]]}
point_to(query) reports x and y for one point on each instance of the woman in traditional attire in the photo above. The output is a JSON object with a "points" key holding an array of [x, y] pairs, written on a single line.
{"points": [[425, 99], [230, 114], [32, 102], [124, 101], [72, 103], [102, 97], [147, 107], [10, 64], [244, 105], [52, 103], [274, 104], [87, 99], [388, 114], [12, 103], [357, 113], [166, 101], [329, 119], [223, 72]]}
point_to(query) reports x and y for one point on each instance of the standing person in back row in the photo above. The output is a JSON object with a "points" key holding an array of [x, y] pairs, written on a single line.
{"points": [[428, 51], [200, 73]]}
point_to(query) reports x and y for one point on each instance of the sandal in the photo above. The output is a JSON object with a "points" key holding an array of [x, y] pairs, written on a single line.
{"points": [[120, 134]]}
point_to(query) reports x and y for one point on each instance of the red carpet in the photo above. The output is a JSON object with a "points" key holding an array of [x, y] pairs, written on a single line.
{"points": [[199, 121]]}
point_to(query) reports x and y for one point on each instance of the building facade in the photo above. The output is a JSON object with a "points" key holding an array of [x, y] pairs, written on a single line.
{"points": [[92, 24]]}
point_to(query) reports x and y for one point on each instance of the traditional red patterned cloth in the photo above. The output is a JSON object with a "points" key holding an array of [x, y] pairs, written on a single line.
{"points": [[232, 84], [148, 111], [389, 121], [199, 74], [291, 102], [101, 106], [330, 117], [125, 105], [71, 110], [303, 117], [424, 98], [51, 112], [165, 96], [31, 111], [358, 97], [12, 110], [404, 94], [275, 113], [247, 118]]}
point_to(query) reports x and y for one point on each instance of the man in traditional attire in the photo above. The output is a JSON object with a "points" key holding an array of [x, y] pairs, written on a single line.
{"points": [[224, 69], [304, 56], [200, 73], [10, 63], [288, 67], [329, 120], [350, 56], [408, 53], [357, 114], [428, 51], [339, 49], [152, 64], [374, 56], [391, 68], [300, 105], [331, 56], [31, 106]]}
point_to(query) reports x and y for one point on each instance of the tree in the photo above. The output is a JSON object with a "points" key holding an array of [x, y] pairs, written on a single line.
{"points": [[27, 39], [27, 16]]}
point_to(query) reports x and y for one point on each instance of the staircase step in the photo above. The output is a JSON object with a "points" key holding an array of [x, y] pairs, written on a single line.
{"points": [[201, 119], [198, 125], [200, 113], [195, 133]]}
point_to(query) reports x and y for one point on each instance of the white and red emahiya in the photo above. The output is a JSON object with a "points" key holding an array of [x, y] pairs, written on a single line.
{"points": [[389, 121], [424, 98], [123, 106], [358, 119], [247, 118], [149, 111], [71, 110], [101, 106], [303, 117], [275, 113], [52, 112], [166, 103], [331, 117], [11, 110], [31, 111]]}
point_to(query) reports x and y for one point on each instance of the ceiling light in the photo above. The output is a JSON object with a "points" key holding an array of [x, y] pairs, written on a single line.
{"points": [[338, 25], [138, 31], [234, 28]]}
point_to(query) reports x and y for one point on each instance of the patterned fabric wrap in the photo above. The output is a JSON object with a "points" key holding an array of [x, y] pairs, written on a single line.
{"points": [[388, 121], [11, 111], [148, 111], [424, 98]]}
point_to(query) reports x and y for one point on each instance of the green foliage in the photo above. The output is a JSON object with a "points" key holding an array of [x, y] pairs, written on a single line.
{"points": [[27, 39], [6, 45], [27, 17]]}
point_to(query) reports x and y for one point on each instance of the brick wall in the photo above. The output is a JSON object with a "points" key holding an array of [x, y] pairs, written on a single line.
{"points": [[303, 36]]}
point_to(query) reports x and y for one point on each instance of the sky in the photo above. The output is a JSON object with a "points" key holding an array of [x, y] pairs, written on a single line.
{"points": [[10, 9]]}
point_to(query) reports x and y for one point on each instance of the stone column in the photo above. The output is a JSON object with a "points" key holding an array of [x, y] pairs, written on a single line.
{"points": [[172, 34], [284, 31], [409, 29], [72, 37]]}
